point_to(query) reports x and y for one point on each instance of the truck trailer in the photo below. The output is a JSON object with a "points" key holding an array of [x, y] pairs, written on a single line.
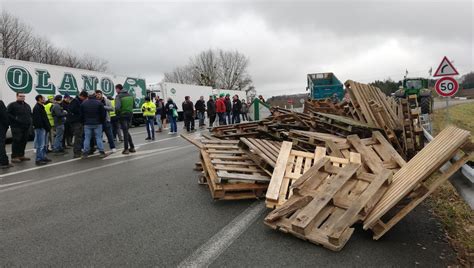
{"points": [[33, 78]]}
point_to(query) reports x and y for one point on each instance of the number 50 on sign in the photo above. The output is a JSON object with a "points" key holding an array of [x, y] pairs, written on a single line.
{"points": [[446, 86]]}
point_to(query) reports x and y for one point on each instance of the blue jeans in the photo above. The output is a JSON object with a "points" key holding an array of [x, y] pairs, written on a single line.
{"points": [[158, 121], [97, 129], [40, 144], [107, 126], [201, 117], [58, 139], [150, 126], [227, 115], [173, 125]]}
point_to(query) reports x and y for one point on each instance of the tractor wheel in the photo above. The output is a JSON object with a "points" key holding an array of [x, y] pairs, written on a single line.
{"points": [[425, 104]]}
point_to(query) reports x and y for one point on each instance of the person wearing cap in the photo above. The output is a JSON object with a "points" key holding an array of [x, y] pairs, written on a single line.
{"points": [[59, 116], [200, 111], [149, 110], [93, 117], [211, 110], [236, 109], [221, 109], [19, 113], [228, 108], [41, 126], [50, 134]]}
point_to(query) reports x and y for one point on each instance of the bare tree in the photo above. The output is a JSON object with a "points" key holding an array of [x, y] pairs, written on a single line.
{"points": [[232, 70], [205, 68], [181, 75], [92, 63]]}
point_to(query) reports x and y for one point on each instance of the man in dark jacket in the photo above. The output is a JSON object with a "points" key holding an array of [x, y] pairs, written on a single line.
{"points": [[74, 118], [236, 109], [19, 113], [59, 116], [228, 108], [41, 126], [211, 110], [188, 112], [4, 124], [124, 104], [200, 110], [68, 134], [93, 117]]}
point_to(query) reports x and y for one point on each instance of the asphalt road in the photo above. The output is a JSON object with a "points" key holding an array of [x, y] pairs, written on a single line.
{"points": [[147, 209]]}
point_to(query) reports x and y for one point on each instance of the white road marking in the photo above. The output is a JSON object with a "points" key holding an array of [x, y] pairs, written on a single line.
{"points": [[120, 155], [68, 161], [210, 251], [91, 169], [14, 183]]}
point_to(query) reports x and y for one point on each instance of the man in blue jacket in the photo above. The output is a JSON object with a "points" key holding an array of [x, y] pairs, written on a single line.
{"points": [[93, 117]]}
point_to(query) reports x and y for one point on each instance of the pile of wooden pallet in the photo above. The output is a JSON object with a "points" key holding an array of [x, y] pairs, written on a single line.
{"points": [[321, 173]]}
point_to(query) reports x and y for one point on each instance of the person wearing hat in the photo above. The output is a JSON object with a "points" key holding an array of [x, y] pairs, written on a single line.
{"points": [[149, 110], [221, 109], [59, 116], [211, 110], [50, 134], [200, 110]]}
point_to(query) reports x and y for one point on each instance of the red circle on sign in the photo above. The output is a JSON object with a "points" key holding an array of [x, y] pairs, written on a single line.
{"points": [[443, 89]]}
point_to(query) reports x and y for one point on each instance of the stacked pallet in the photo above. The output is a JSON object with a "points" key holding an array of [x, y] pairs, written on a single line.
{"points": [[322, 106]]}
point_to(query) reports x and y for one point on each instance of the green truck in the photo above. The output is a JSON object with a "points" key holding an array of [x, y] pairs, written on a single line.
{"points": [[324, 86]]}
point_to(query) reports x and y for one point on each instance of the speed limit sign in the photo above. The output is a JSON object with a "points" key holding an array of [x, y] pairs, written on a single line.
{"points": [[446, 86]]}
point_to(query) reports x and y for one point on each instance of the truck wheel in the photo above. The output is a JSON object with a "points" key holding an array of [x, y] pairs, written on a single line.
{"points": [[425, 104]]}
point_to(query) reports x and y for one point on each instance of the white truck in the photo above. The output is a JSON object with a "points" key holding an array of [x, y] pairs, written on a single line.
{"points": [[34, 78], [177, 92]]}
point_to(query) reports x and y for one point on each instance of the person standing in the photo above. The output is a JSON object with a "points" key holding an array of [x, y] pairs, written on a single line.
{"points": [[93, 117], [48, 105], [158, 113], [74, 118], [41, 126], [59, 116], [124, 104], [211, 110], [67, 139], [236, 109], [4, 124], [200, 110], [172, 115], [228, 108], [188, 112], [149, 112], [221, 109], [19, 113], [114, 121], [245, 110], [107, 126]]}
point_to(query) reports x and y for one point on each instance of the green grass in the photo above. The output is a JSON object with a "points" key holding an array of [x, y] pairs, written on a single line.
{"points": [[456, 216]]}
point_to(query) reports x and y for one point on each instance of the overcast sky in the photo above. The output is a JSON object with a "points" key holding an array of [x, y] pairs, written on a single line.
{"points": [[358, 40]]}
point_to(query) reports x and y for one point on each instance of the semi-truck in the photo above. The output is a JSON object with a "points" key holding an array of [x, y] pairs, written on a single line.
{"points": [[177, 92], [33, 78]]}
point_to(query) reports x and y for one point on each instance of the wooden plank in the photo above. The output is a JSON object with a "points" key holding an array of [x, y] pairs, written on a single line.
{"points": [[239, 176], [289, 207], [279, 171], [307, 215]]}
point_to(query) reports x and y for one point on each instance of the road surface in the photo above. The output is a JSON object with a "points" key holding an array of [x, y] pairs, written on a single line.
{"points": [[147, 209]]}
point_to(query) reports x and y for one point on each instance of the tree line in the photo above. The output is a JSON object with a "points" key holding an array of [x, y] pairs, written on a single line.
{"points": [[18, 41], [216, 68]]}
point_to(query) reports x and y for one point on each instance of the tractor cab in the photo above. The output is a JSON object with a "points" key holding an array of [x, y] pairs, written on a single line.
{"points": [[416, 91]]}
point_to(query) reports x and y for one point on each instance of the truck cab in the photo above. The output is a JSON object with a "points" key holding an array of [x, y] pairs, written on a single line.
{"points": [[324, 86]]}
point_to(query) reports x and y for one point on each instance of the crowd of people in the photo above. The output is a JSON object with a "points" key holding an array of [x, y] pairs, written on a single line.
{"points": [[62, 122]]}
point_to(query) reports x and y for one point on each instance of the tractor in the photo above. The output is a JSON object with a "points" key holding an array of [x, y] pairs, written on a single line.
{"points": [[416, 92]]}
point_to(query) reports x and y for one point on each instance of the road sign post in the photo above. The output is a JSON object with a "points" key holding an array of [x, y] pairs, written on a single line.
{"points": [[447, 87]]}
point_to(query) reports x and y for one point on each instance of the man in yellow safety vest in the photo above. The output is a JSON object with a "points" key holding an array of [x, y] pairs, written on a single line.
{"points": [[149, 109], [51, 133]]}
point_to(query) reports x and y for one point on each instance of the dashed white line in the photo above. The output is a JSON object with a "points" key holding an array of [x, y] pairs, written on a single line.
{"points": [[14, 183]]}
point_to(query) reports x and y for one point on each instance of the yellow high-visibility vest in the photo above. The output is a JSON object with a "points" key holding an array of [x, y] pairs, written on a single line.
{"points": [[47, 107], [148, 109], [112, 113]]}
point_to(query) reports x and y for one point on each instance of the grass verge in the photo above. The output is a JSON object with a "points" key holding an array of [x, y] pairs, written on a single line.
{"points": [[456, 216]]}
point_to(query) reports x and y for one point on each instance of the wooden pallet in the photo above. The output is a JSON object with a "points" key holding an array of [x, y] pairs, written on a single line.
{"points": [[309, 140], [411, 185], [376, 152], [322, 106], [263, 152], [342, 126], [327, 201], [230, 173], [290, 166]]}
